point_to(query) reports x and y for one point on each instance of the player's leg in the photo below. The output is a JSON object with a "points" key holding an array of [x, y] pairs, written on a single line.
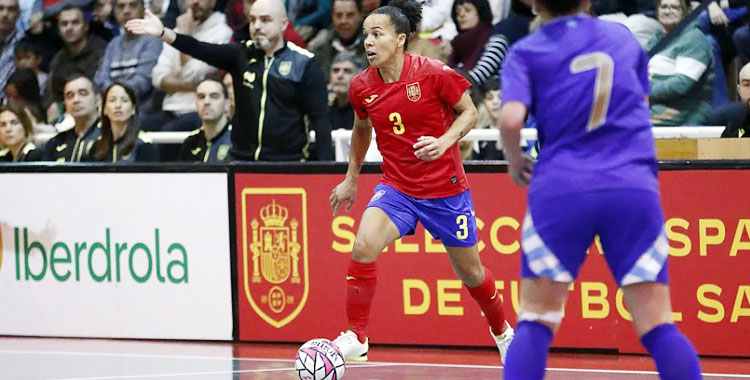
{"points": [[386, 218], [452, 220], [541, 305], [636, 248], [556, 233], [480, 282], [673, 353]]}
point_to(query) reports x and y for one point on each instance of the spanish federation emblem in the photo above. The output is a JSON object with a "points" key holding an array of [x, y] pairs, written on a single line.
{"points": [[275, 252], [413, 92]]}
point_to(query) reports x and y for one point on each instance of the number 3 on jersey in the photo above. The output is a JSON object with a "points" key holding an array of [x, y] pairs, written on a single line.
{"points": [[463, 227], [605, 70], [398, 126]]}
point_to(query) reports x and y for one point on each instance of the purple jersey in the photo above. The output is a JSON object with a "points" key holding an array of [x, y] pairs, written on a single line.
{"points": [[584, 81]]}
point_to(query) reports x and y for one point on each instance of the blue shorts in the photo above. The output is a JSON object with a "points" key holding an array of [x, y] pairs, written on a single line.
{"points": [[630, 223], [450, 219]]}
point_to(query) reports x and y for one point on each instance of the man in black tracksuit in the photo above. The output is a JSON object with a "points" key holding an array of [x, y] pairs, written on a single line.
{"points": [[280, 90], [81, 100], [211, 142]]}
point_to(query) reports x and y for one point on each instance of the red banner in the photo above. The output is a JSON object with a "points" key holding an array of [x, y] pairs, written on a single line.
{"points": [[419, 300]]}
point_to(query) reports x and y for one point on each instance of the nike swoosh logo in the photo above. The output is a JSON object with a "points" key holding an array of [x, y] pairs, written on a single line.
{"points": [[195, 151], [251, 61], [369, 100], [62, 147], [350, 278]]}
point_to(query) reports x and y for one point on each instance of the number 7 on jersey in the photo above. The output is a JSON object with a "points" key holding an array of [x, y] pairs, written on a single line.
{"points": [[605, 66]]}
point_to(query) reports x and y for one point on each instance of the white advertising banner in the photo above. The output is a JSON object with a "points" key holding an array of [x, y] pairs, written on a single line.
{"points": [[115, 255]]}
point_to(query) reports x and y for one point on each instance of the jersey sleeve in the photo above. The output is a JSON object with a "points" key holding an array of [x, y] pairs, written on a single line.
{"points": [[516, 82], [452, 85], [355, 97]]}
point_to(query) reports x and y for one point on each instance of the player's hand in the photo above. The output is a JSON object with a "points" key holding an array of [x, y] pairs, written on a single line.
{"points": [[716, 14], [149, 25], [520, 172], [428, 148], [343, 194]]}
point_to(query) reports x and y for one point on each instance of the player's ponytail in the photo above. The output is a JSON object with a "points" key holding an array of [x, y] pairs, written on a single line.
{"points": [[405, 15]]}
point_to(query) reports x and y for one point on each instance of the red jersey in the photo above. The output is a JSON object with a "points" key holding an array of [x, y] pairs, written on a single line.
{"points": [[420, 103]]}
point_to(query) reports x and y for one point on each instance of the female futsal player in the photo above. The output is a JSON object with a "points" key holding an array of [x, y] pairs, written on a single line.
{"points": [[585, 82], [410, 100]]}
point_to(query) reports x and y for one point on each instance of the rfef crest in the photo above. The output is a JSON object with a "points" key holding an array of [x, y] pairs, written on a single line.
{"points": [[413, 92], [274, 223]]}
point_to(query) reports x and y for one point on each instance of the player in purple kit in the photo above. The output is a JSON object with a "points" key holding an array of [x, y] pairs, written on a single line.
{"points": [[585, 81]]}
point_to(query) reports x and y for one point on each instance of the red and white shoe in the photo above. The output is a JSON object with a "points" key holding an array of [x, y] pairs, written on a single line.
{"points": [[351, 348]]}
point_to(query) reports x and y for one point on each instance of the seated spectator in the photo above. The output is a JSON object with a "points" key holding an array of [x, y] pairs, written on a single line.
{"points": [[719, 23], [736, 116], [121, 139], [23, 91], [344, 35], [9, 37], [346, 65], [474, 22], [102, 22], [82, 103], [44, 36], [16, 132], [211, 142], [504, 34], [29, 56], [81, 53], [489, 150], [309, 16], [243, 33], [682, 73], [129, 59], [178, 75]]}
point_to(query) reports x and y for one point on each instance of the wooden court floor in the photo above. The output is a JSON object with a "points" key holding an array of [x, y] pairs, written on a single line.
{"points": [[90, 359]]}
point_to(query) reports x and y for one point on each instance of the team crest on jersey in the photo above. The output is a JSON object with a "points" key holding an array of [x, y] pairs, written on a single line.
{"points": [[274, 247], [413, 92], [248, 77], [285, 68], [221, 154]]}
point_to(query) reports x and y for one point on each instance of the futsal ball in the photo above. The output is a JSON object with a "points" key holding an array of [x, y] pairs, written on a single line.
{"points": [[319, 359]]}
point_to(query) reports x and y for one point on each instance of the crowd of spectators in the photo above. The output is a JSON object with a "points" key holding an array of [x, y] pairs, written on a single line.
{"points": [[250, 78]]}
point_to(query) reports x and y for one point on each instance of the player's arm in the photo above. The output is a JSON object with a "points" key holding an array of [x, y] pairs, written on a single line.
{"points": [[513, 116], [429, 148], [346, 192], [361, 138]]}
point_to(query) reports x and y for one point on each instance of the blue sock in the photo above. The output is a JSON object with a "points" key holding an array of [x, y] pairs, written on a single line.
{"points": [[527, 355], [675, 357]]}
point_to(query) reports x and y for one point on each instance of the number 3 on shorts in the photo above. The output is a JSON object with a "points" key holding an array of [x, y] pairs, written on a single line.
{"points": [[463, 227]]}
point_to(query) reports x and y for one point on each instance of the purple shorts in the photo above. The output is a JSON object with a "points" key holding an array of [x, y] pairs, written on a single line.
{"points": [[450, 219], [557, 232]]}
